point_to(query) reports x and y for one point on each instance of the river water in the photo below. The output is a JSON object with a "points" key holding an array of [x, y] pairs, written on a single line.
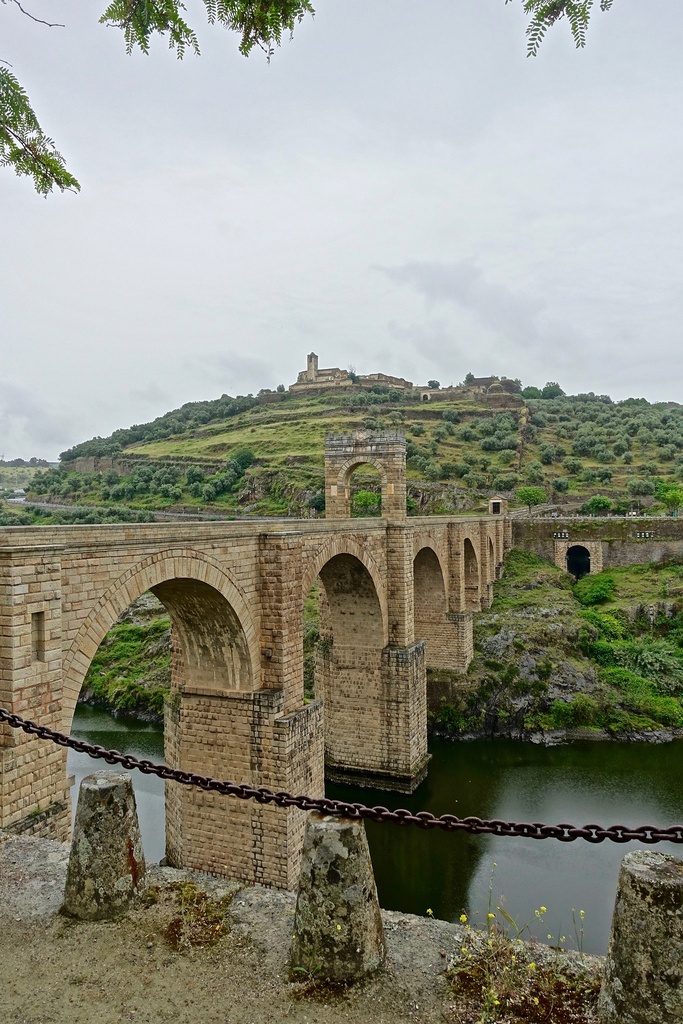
{"points": [[452, 873]]}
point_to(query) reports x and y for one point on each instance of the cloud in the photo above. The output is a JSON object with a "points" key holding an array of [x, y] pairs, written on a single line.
{"points": [[237, 372], [151, 395], [29, 425], [433, 340], [464, 285]]}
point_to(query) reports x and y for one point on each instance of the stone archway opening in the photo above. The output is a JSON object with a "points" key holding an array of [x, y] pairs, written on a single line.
{"points": [[578, 561], [181, 633], [345, 454], [348, 668], [210, 649], [364, 485], [130, 674], [349, 606], [121, 706], [430, 607], [202, 681], [472, 596]]}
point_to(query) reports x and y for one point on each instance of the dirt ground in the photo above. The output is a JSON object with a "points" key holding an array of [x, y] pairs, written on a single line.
{"points": [[54, 970]]}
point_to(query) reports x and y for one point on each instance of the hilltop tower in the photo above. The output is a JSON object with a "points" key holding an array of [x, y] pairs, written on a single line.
{"points": [[311, 366]]}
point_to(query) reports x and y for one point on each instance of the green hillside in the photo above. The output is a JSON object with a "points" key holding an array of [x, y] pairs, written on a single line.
{"points": [[265, 457], [604, 654]]}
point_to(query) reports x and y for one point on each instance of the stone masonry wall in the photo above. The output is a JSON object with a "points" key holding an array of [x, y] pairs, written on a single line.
{"points": [[627, 541], [235, 594]]}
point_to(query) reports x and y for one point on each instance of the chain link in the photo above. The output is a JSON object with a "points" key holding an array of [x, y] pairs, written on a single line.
{"points": [[564, 833]]}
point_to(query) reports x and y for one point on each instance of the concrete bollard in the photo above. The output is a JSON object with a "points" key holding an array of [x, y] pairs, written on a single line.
{"points": [[338, 934], [644, 970], [106, 863]]}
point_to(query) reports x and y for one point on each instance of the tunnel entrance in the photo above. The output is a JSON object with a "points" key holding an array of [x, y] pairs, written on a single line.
{"points": [[578, 561]]}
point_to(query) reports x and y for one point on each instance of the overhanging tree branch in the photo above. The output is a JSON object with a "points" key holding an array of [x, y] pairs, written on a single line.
{"points": [[50, 24], [24, 146], [545, 13], [260, 23]]}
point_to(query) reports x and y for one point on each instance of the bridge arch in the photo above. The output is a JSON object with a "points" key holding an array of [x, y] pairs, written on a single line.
{"points": [[350, 659], [470, 563], [430, 605], [348, 546], [345, 476], [215, 639]]}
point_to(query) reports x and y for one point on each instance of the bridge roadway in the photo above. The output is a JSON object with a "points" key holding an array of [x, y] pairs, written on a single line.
{"points": [[395, 595]]}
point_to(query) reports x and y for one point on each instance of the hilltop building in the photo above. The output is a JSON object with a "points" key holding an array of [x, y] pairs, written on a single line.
{"points": [[481, 384], [494, 386], [314, 375], [315, 378], [501, 392]]}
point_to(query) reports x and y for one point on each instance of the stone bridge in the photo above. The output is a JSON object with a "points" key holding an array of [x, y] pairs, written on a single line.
{"points": [[396, 596]]}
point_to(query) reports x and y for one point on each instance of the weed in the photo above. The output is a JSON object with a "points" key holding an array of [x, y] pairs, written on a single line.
{"points": [[508, 980], [201, 920], [501, 978]]}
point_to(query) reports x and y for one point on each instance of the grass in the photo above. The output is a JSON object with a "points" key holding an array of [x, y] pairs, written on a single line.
{"points": [[18, 476], [201, 920], [545, 661], [131, 670]]}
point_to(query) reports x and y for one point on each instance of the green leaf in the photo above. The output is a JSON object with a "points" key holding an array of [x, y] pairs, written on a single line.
{"points": [[23, 144], [260, 22], [545, 13]]}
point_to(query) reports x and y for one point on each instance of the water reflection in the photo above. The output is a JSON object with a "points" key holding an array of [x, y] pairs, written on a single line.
{"points": [[608, 783], [130, 737]]}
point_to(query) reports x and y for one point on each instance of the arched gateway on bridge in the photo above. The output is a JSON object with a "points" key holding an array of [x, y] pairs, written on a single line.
{"points": [[396, 595], [345, 453]]}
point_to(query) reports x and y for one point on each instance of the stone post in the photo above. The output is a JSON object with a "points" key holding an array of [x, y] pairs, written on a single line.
{"points": [[338, 933], [644, 970], [106, 864]]}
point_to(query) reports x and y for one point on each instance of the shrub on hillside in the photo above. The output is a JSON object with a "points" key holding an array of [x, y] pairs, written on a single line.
{"points": [[505, 482], [366, 503], [592, 590], [639, 486]]}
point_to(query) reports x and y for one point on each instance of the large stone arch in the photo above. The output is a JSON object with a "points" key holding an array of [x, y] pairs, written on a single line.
{"points": [[430, 605], [346, 545], [202, 600], [471, 580], [350, 676], [348, 468]]}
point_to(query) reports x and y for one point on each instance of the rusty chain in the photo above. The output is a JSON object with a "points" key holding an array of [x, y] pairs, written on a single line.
{"points": [[423, 819]]}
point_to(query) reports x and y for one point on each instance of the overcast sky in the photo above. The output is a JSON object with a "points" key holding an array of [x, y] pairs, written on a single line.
{"points": [[401, 189]]}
